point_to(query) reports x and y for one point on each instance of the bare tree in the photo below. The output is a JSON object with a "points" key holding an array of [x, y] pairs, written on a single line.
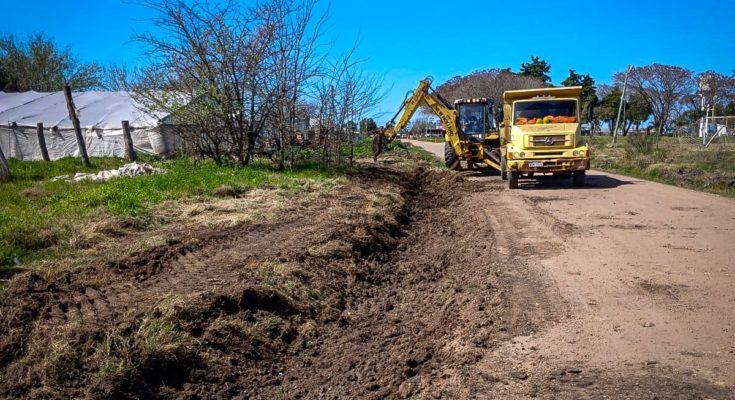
{"points": [[345, 94], [296, 61], [226, 75], [489, 83], [209, 72], [718, 90], [662, 87], [117, 77]]}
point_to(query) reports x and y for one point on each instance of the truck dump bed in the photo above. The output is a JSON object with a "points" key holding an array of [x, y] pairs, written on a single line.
{"points": [[560, 92]]}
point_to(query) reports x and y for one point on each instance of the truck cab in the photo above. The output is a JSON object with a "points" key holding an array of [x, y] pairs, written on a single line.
{"points": [[541, 134]]}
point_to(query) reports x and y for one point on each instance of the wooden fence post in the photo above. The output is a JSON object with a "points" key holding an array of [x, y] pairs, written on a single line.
{"points": [[128, 140], [77, 128], [4, 168], [42, 142]]}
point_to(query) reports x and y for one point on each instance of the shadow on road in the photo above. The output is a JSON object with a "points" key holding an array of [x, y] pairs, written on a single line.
{"points": [[593, 181], [541, 182], [480, 173]]}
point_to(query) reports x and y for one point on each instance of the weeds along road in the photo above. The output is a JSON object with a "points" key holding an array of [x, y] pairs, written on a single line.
{"points": [[643, 273]]}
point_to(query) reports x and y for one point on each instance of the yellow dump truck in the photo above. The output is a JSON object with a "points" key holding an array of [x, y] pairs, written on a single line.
{"points": [[541, 134]]}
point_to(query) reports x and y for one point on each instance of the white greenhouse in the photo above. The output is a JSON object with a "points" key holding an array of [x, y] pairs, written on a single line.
{"points": [[100, 115]]}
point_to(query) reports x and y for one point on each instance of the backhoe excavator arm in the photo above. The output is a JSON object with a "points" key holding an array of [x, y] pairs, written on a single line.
{"points": [[440, 107]]}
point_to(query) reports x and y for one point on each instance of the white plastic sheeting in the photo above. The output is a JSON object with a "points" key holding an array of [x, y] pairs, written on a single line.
{"points": [[132, 169], [100, 116]]}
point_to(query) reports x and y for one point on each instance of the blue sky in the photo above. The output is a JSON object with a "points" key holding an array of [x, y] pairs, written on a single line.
{"points": [[404, 41]]}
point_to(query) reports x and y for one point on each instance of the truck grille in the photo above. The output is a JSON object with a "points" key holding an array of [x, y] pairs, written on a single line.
{"points": [[548, 141]]}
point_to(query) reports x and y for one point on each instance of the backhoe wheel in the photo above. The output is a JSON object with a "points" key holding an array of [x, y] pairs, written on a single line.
{"points": [[578, 179], [503, 168], [451, 160], [513, 180]]}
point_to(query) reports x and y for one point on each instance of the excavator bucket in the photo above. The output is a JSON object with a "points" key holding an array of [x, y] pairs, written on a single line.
{"points": [[379, 142]]}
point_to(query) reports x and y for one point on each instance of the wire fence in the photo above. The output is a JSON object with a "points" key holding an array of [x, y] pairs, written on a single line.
{"points": [[711, 131]]}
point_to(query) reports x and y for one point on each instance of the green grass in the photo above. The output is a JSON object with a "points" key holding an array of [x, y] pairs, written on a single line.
{"points": [[669, 160], [418, 153], [38, 214], [364, 149], [429, 139]]}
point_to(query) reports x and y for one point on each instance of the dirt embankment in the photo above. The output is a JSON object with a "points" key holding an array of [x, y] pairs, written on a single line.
{"points": [[399, 284], [349, 295]]}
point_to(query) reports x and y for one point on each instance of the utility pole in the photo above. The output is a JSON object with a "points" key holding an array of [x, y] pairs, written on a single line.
{"points": [[77, 128], [622, 100], [704, 89]]}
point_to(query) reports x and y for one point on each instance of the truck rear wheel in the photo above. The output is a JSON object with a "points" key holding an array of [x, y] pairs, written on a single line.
{"points": [[451, 160], [578, 179], [503, 168], [513, 180]]}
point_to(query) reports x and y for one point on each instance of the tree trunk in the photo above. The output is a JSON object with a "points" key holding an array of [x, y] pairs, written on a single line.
{"points": [[251, 148]]}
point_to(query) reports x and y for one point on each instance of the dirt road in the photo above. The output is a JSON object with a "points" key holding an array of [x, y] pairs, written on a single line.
{"points": [[638, 275]]}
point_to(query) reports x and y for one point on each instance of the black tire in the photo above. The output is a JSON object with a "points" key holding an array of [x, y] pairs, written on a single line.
{"points": [[451, 160], [503, 168], [578, 178], [513, 180]]}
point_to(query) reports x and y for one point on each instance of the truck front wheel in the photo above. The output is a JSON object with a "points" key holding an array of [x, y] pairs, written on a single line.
{"points": [[513, 180], [451, 160], [578, 178]]}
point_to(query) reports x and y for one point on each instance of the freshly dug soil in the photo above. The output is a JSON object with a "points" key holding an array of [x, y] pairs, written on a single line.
{"points": [[388, 287]]}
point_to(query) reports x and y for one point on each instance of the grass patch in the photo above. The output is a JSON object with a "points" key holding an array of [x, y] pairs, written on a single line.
{"points": [[39, 216], [417, 153], [669, 160], [364, 149], [429, 139]]}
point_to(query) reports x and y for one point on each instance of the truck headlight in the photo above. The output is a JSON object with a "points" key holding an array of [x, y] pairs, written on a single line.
{"points": [[575, 153], [523, 155], [516, 155]]}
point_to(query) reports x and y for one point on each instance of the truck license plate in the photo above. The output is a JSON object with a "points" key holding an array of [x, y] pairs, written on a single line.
{"points": [[534, 164]]}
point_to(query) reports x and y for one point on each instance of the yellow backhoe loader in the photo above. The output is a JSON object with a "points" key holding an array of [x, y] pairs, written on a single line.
{"points": [[471, 132]]}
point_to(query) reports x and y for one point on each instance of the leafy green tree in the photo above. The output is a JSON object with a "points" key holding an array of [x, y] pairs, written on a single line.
{"points": [[728, 109], [368, 125], [607, 111], [589, 91], [3, 74], [663, 87], [37, 63], [637, 111], [537, 68], [574, 79]]}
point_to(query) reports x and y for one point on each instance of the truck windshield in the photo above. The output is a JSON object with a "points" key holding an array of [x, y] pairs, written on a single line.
{"points": [[472, 119], [545, 112]]}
